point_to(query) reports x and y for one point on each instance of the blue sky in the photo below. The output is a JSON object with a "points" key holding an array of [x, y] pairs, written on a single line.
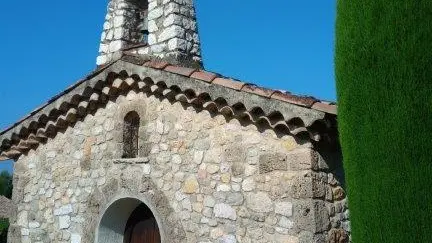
{"points": [[282, 44]]}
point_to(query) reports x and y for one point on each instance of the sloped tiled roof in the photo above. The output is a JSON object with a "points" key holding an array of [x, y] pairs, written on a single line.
{"points": [[282, 111]]}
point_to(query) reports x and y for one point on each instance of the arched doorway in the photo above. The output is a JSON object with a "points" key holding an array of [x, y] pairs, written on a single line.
{"points": [[128, 220], [142, 227]]}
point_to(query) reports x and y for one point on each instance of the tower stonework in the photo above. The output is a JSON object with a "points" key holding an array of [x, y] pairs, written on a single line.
{"points": [[164, 29]]}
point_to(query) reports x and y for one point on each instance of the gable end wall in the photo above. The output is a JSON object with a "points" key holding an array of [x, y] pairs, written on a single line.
{"points": [[207, 179]]}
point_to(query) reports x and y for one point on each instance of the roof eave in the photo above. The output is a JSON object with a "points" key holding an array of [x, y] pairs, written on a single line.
{"points": [[184, 79]]}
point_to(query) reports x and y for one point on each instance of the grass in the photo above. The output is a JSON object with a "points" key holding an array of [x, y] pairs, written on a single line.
{"points": [[384, 83]]}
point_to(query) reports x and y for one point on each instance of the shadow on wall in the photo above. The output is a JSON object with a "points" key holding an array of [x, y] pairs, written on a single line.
{"points": [[333, 157]]}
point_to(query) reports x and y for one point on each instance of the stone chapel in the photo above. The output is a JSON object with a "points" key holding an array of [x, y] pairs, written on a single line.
{"points": [[150, 147]]}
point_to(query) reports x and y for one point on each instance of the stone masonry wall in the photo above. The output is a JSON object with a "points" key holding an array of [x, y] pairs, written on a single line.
{"points": [[171, 25], [207, 178]]}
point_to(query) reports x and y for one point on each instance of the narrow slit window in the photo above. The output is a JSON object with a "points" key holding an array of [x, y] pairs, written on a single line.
{"points": [[142, 16], [143, 27], [130, 135]]}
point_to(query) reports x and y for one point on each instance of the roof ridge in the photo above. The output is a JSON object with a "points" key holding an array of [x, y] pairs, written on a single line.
{"points": [[216, 78]]}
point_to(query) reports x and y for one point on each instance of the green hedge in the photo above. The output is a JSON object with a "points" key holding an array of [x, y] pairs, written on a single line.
{"points": [[384, 82], [4, 225], [6, 184]]}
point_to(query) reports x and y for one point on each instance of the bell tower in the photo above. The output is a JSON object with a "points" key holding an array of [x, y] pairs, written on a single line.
{"points": [[161, 29]]}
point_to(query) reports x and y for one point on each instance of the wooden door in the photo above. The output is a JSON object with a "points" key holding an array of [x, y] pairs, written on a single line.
{"points": [[142, 227]]}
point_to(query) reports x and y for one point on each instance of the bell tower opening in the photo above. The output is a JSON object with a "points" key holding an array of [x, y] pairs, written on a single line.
{"points": [[155, 29]]}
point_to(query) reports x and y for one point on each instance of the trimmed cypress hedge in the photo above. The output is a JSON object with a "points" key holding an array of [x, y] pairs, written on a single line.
{"points": [[384, 82]]}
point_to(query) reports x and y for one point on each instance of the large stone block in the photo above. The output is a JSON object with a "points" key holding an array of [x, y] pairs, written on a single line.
{"points": [[222, 210], [311, 216], [259, 202], [235, 153], [64, 222], [302, 159], [308, 185], [191, 185], [238, 169], [302, 186], [319, 185], [284, 208], [321, 216], [272, 162], [303, 216]]}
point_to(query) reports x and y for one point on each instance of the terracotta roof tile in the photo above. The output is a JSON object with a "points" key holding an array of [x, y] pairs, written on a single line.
{"points": [[180, 70], [233, 84], [156, 64], [204, 76], [328, 108], [294, 99], [254, 89]]}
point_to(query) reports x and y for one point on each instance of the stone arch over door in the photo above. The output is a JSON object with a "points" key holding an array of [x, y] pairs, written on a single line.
{"points": [[114, 226], [117, 200]]}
